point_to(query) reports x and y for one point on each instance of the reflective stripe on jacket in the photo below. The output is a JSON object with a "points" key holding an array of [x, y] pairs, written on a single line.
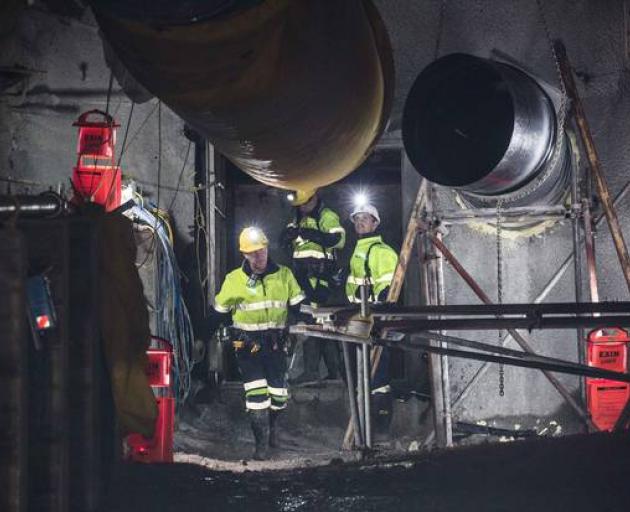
{"points": [[328, 223], [262, 304], [381, 265]]}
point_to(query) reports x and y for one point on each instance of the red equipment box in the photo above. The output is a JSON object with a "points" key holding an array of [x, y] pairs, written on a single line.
{"points": [[159, 448], [606, 399], [607, 348]]}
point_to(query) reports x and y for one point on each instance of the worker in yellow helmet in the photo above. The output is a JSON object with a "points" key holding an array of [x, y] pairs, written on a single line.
{"points": [[258, 296], [313, 237]]}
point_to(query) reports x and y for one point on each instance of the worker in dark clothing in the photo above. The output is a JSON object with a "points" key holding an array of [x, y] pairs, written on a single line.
{"points": [[373, 263], [313, 237], [258, 295]]}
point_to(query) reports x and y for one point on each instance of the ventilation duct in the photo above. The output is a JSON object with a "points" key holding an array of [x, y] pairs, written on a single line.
{"points": [[294, 92], [488, 130]]}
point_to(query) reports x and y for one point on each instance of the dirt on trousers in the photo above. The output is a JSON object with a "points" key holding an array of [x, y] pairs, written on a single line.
{"points": [[571, 474]]}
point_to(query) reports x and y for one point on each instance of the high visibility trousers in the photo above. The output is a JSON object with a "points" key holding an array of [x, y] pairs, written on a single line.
{"points": [[264, 376]]}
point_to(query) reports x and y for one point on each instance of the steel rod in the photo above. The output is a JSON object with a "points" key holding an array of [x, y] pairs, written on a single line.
{"points": [[478, 345], [589, 244], [444, 366], [354, 415], [365, 361], [534, 309], [577, 265], [490, 354], [367, 396], [589, 371], [530, 212], [463, 324], [360, 388]]}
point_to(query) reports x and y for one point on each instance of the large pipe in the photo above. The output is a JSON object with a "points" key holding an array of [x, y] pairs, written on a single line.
{"points": [[294, 92], [487, 129]]}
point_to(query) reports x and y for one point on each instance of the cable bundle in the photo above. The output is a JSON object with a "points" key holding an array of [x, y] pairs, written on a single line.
{"points": [[172, 320]]}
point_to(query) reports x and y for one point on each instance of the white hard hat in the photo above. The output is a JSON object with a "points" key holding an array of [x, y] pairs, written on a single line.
{"points": [[366, 208]]}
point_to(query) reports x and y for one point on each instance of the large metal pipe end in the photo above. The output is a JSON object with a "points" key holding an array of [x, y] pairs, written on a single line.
{"points": [[487, 129]]}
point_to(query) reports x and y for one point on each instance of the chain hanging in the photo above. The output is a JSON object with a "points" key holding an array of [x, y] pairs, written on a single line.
{"points": [[500, 291], [562, 111]]}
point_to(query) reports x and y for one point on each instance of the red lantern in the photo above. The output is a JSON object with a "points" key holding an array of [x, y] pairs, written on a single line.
{"points": [[96, 178]]}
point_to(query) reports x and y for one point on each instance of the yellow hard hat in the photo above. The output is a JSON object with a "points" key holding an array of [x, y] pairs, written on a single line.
{"points": [[251, 239], [300, 197]]}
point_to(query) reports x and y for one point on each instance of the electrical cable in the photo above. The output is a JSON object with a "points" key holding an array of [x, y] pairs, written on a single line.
{"points": [[172, 319]]}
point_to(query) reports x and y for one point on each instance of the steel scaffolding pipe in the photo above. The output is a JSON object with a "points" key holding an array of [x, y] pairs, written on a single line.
{"points": [[487, 129], [294, 92]]}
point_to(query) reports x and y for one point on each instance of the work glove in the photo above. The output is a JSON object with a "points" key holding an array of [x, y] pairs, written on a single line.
{"points": [[319, 237], [289, 234]]}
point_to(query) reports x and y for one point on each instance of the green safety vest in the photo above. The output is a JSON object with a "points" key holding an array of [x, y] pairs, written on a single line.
{"points": [[263, 305], [328, 222], [380, 267]]}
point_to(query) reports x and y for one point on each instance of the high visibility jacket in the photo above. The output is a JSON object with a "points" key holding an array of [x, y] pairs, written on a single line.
{"points": [[326, 222], [373, 262], [262, 303]]}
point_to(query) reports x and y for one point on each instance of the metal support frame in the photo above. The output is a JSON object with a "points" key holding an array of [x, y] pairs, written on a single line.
{"points": [[598, 176], [516, 214], [444, 366], [515, 335], [589, 245], [577, 268]]}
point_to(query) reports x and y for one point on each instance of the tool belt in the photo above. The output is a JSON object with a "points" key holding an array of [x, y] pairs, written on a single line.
{"points": [[253, 341]]}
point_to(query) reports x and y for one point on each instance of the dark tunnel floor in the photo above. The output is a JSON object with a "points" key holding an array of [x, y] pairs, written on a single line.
{"points": [[573, 474]]}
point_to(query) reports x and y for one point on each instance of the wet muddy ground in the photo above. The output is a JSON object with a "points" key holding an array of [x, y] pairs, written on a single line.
{"points": [[570, 474]]}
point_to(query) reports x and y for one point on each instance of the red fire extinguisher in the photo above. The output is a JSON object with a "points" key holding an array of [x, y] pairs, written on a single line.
{"points": [[96, 178]]}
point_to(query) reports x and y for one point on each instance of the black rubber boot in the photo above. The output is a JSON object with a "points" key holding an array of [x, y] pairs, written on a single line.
{"points": [[260, 428], [382, 409], [273, 431]]}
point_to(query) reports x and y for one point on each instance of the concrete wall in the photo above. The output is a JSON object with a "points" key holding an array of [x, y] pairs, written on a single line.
{"points": [[37, 139]]}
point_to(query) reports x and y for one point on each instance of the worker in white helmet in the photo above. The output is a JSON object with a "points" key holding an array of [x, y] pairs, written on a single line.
{"points": [[373, 263]]}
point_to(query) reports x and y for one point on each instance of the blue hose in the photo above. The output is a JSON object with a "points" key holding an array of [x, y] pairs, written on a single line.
{"points": [[172, 319]]}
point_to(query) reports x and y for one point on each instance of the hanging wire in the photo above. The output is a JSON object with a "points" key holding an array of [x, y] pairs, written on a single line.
{"points": [[109, 91], [181, 174], [141, 127], [122, 150]]}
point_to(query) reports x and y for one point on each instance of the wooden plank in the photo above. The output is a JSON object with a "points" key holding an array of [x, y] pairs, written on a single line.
{"points": [[594, 163]]}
